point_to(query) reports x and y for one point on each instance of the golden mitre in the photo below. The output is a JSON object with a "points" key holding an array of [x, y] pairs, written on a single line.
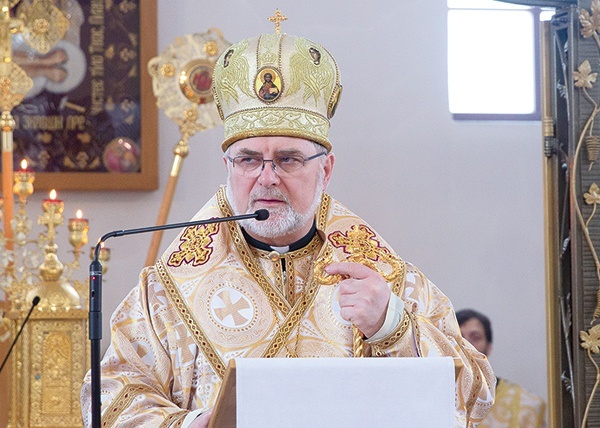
{"points": [[276, 84]]}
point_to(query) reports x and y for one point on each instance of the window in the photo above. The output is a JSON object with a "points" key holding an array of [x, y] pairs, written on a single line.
{"points": [[493, 65]]}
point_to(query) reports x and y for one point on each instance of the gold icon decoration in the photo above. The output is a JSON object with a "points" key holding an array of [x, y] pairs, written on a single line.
{"points": [[182, 83], [195, 81], [268, 84]]}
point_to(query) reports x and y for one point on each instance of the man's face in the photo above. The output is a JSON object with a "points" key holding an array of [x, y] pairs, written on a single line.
{"points": [[290, 198], [473, 331]]}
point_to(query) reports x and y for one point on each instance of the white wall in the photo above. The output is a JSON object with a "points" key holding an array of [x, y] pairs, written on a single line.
{"points": [[461, 200]]}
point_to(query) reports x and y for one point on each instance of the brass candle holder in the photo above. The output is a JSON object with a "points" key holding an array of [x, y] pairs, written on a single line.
{"points": [[78, 232], [23, 186]]}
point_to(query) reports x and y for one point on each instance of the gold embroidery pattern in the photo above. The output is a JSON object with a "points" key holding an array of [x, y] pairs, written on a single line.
{"points": [[380, 346], [360, 243], [363, 248], [290, 283], [274, 295], [122, 401], [288, 287], [292, 122], [195, 247], [293, 319], [269, 51], [232, 308], [214, 359], [174, 420], [317, 84], [477, 382], [234, 75], [416, 332], [323, 211], [276, 299]]}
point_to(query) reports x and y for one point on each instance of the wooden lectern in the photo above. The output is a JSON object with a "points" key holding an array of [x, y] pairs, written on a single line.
{"points": [[336, 392]]}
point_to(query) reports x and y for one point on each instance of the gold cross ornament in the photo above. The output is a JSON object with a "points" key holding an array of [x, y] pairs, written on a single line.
{"points": [[278, 18]]}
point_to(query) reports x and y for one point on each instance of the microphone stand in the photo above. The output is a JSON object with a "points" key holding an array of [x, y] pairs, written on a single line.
{"points": [[95, 279]]}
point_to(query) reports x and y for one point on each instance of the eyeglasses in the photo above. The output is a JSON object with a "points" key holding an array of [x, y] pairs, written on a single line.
{"points": [[249, 164]]}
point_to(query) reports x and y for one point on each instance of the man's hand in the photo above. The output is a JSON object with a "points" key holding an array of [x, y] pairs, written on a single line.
{"points": [[202, 420], [364, 296]]}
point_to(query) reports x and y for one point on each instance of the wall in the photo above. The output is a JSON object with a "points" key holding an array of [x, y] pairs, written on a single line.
{"points": [[461, 200]]}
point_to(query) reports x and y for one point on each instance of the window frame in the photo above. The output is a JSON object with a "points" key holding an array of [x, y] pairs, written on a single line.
{"points": [[536, 114]]}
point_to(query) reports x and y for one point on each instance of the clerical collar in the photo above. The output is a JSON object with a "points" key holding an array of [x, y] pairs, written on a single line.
{"points": [[300, 243]]}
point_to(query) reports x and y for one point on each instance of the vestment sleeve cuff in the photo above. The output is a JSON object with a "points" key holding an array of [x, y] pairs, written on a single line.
{"points": [[392, 318], [190, 417]]}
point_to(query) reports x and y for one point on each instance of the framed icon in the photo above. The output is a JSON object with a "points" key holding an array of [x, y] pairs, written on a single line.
{"points": [[90, 120]]}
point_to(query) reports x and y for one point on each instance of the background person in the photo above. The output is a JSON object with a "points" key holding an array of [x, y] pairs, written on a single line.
{"points": [[515, 407]]}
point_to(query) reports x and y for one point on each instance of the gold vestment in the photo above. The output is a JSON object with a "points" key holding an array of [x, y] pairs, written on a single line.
{"points": [[211, 297], [515, 407]]}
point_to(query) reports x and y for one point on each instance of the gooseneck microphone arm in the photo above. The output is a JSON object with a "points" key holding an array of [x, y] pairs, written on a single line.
{"points": [[95, 279], [34, 303]]}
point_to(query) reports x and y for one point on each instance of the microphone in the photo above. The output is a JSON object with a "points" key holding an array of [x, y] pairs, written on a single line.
{"points": [[95, 279], [34, 303]]}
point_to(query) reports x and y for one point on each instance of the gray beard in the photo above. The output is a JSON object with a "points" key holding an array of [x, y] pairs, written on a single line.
{"points": [[282, 220]]}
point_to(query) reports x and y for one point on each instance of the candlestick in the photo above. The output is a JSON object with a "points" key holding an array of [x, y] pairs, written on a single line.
{"points": [[78, 228], [52, 216], [24, 179], [7, 122], [52, 203]]}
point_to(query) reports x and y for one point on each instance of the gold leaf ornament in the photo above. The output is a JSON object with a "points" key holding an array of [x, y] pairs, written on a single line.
{"points": [[592, 197], [591, 340], [583, 76], [590, 23]]}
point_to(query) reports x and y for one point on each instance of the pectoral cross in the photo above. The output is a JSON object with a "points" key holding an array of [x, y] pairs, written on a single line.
{"points": [[278, 18]]}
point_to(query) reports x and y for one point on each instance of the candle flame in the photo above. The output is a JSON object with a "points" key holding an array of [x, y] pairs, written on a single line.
{"points": [[53, 194], [24, 164], [79, 214]]}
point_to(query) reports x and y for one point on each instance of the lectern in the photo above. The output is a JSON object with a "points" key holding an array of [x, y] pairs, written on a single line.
{"points": [[336, 392]]}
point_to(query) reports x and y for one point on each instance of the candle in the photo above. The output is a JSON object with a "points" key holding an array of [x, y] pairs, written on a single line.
{"points": [[24, 179], [78, 229], [52, 197], [53, 207]]}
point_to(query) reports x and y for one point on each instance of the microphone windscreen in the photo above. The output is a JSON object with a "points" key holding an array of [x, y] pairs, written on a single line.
{"points": [[261, 214], [35, 301]]}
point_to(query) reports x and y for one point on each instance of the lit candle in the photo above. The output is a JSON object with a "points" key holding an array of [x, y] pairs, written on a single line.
{"points": [[78, 228], [53, 206], [24, 179], [24, 165], [52, 197]]}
